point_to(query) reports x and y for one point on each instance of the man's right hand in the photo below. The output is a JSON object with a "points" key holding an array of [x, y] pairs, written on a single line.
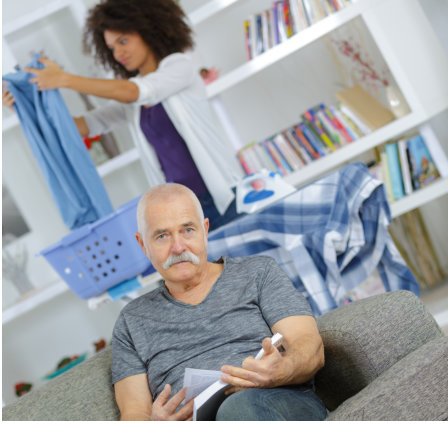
{"points": [[164, 407], [7, 98]]}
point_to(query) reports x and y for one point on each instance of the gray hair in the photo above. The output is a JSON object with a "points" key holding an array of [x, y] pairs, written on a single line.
{"points": [[161, 193]]}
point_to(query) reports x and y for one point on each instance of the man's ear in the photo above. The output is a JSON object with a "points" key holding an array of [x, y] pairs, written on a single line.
{"points": [[139, 239], [206, 226]]}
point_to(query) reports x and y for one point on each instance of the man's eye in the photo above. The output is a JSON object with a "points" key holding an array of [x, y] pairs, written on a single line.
{"points": [[123, 41], [161, 236]]}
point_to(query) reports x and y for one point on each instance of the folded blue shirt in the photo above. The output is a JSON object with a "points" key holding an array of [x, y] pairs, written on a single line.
{"points": [[54, 139]]}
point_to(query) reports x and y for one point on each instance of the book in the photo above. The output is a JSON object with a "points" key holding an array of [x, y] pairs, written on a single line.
{"points": [[437, 153], [338, 124], [300, 130], [404, 165], [393, 163], [373, 114], [287, 152], [207, 402], [247, 39], [354, 122], [264, 158], [316, 125], [333, 133], [273, 153], [303, 157], [421, 162], [386, 177], [287, 19], [283, 36], [275, 150], [297, 22], [313, 138]]}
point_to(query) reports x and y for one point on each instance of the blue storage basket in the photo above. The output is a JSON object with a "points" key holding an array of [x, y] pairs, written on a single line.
{"points": [[97, 256]]}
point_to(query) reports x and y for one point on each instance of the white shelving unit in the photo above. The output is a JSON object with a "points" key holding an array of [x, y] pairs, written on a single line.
{"points": [[364, 9]]}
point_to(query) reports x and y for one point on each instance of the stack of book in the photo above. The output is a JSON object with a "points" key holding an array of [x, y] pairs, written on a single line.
{"points": [[410, 163], [264, 30], [322, 130]]}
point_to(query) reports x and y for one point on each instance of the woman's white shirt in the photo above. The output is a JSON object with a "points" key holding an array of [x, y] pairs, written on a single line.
{"points": [[178, 86]]}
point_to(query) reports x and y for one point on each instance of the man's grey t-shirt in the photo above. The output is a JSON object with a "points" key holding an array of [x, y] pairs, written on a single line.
{"points": [[160, 336]]}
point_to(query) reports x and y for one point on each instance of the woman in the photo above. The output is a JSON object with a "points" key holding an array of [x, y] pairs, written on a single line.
{"points": [[160, 92]]}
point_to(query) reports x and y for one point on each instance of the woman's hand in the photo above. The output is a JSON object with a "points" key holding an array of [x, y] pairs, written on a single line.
{"points": [[7, 98], [50, 77]]}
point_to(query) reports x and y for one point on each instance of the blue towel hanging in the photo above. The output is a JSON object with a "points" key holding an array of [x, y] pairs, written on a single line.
{"points": [[65, 163]]}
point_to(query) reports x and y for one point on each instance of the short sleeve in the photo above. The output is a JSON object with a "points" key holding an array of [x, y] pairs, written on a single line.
{"points": [[278, 297], [175, 73], [125, 359]]}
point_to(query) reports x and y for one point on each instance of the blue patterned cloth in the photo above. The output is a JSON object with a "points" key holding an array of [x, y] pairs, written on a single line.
{"points": [[63, 159], [329, 236]]}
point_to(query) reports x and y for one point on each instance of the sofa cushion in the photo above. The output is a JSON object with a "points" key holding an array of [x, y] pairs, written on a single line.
{"points": [[414, 389], [82, 393], [363, 339]]}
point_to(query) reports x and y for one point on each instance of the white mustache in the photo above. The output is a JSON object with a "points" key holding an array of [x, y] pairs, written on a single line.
{"points": [[186, 256]]}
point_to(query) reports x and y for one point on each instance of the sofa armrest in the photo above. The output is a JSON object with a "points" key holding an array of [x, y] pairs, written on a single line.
{"points": [[84, 392], [363, 339]]}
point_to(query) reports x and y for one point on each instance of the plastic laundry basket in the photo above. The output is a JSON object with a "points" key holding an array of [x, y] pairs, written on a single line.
{"points": [[97, 256]]}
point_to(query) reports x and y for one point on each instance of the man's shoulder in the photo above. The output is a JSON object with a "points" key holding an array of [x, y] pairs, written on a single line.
{"points": [[247, 263], [140, 305]]}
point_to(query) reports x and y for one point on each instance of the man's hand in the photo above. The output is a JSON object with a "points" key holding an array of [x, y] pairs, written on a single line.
{"points": [[7, 98], [263, 373], [50, 77], [163, 408]]}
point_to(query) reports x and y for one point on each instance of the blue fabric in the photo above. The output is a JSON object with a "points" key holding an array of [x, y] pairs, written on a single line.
{"points": [[66, 165], [329, 236], [278, 404]]}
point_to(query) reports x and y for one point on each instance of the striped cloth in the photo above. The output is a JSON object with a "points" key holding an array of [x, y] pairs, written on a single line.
{"points": [[329, 236]]}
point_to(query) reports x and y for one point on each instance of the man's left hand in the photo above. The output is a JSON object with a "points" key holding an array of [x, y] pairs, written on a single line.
{"points": [[264, 373]]}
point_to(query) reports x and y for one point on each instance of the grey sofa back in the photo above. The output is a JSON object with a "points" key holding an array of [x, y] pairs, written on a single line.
{"points": [[362, 340], [365, 338]]}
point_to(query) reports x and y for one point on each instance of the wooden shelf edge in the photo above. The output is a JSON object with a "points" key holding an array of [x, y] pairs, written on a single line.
{"points": [[40, 297]]}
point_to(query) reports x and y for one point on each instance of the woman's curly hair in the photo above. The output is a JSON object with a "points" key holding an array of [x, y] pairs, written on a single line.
{"points": [[160, 23]]}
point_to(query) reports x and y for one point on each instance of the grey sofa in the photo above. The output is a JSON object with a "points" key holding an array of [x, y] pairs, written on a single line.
{"points": [[386, 359]]}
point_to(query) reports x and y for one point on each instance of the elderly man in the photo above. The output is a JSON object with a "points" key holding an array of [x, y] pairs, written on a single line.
{"points": [[211, 315]]}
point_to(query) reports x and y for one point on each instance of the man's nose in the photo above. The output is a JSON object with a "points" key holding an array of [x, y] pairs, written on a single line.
{"points": [[177, 246]]}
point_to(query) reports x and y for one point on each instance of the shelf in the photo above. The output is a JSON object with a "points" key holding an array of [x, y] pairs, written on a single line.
{"points": [[38, 298], [118, 162], [329, 162], [208, 10], [293, 44], [35, 16], [420, 197]]}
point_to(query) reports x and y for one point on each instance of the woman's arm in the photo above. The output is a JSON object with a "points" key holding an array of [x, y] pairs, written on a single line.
{"points": [[7, 98], [53, 77], [81, 124]]}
